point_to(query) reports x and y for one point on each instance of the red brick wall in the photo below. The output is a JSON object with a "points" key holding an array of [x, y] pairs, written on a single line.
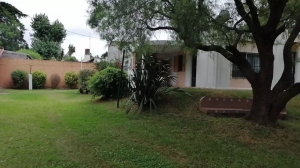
{"points": [[8, 65]]}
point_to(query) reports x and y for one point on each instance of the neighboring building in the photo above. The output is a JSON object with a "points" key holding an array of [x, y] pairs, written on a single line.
{"points": [[115, 54], [89, 58], [210, 69], [11, 54]]}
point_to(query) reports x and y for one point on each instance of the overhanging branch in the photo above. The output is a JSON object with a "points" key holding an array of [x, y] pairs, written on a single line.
{"points": [[253, 25], [253, 11], [232, 54], [160, 28], [285, 79], [276, 10]]}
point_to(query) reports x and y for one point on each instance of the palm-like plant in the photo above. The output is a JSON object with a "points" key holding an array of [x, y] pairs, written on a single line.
{"points": [[150, 80]]}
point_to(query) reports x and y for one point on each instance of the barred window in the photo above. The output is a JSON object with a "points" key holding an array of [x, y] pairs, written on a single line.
{"points": [[253, 59]]}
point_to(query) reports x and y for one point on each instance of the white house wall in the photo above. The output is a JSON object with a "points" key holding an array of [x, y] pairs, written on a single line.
{"points": [[114, 53], [278, 63], [223, 72], [297, 68], [213, 71]]}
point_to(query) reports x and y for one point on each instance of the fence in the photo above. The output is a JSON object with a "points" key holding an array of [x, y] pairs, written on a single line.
{"points": [[8, 65]]}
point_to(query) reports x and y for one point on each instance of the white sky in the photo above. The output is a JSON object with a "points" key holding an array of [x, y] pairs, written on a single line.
{"points": [[72, 14]]}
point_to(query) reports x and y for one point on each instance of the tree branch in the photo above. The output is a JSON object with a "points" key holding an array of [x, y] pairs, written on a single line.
{"points": [[161, 13], [160, 28], [280, 30], [233, 55], [253, 11], [239, 21], [254, 26], [238, 39], [170, 4], [227, 38], [243, 64], [281, 101], [218, 49], [285, 79], [276, 10]]}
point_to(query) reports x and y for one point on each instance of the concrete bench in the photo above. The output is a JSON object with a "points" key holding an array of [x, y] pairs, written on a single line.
{"points": [[233, 107]]}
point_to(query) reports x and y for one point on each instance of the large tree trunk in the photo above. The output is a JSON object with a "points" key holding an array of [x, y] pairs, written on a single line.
{"points": [[261, 106], [265, 108]]}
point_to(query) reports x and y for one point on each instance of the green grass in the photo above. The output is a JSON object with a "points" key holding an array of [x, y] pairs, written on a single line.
{"points": [[59, 128]]}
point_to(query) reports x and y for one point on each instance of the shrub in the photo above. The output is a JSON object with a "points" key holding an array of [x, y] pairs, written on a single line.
{"points": [[104, 64], [70, 59], [71, 79], [105, 83], [149, 83], [19, 78], [38, 79], [84, 76], [32, 54], [55, 80]]}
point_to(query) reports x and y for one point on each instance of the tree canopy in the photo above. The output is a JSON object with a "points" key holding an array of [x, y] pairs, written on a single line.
{"points": [[47, 37], [218, 26], [11, 29], [46, 31]]}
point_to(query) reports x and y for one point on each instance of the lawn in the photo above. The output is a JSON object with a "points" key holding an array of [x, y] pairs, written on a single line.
{"points": [[60, 128]]}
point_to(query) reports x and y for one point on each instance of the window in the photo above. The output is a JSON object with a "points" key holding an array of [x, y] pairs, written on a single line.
{"points": [[253, 59], [179, 63]]}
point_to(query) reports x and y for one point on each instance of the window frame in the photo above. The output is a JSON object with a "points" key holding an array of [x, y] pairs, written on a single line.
{"points": [[253, 59]]}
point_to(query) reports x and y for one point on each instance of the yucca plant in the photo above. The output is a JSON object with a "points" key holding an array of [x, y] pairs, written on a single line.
{"points": [[149, 81]]}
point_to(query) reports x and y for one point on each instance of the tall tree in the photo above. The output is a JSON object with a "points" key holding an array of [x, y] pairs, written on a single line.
{"points": [[11, 29], [47, 35], [209, 25]]}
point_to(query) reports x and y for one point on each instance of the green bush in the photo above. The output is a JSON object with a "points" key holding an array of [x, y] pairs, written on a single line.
{"points": [[104, 64], [84, 76], [55, 79], [105, 83], [38, 79], [32, 54], [71, 79], [70, 59], [19, 78]]}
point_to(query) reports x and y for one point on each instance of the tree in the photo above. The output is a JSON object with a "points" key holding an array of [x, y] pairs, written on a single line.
{"points": [[104, 55], [47, 37], [45, 31], [47, 49], [71, 50], [211, 26], [62, 54], [11, 29]]}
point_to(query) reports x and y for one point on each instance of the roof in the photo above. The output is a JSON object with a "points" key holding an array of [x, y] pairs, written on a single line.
{"points": [[12, 54]]}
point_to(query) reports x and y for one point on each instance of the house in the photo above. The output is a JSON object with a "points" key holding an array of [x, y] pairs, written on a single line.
{"points": [[11, 54], [114, 54], [89, 58], [210, 69]]}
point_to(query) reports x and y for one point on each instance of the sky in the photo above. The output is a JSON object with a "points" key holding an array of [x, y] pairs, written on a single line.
{"points": [[73, 15]]}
